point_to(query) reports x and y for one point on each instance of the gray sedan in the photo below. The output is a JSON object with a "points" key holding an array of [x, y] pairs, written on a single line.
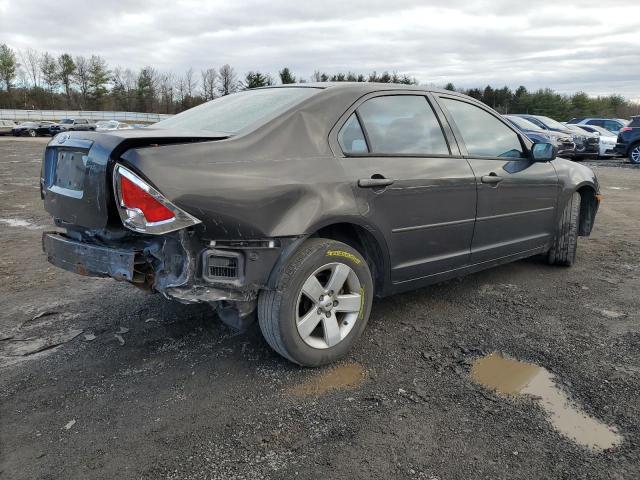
{"points": [[298, 204]]}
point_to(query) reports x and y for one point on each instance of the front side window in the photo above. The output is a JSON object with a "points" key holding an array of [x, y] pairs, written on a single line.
{"points": [[612, 126], [402, 124], [483, 134]]}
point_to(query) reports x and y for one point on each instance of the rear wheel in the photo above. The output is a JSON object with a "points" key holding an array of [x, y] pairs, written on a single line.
{"points": [[320, 304], [565, 243], [32, 133], [634, 154]]}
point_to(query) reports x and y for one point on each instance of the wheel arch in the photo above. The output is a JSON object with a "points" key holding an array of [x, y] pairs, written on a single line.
{"points": [[366, 240], [588, 208]]}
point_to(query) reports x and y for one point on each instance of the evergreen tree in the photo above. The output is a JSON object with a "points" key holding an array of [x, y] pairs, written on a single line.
{"points": [[66, 71], [286, 76], [8, 66], [256, 80]]}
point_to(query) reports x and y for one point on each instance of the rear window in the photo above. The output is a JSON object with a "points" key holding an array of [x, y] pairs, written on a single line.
{"points": [[232, 113]]}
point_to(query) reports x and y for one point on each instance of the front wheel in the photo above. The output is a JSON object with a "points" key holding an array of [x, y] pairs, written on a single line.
{"points": [[565, 243], [634, 154], [32, 133], [320, 304]]}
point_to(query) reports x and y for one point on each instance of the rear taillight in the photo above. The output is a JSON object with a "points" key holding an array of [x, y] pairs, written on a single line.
{"points": [[143, 209], [135, 197], [625, 129]]}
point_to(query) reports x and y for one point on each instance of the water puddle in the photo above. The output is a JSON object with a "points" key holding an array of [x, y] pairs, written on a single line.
{"points": [[508, 376], [349, 375]]}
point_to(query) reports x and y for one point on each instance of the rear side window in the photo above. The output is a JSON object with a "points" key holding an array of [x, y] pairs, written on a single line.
{"points": [[597, 123], [483, 134], [351, 137], [635, 122], [237, 111], [402, 124]]}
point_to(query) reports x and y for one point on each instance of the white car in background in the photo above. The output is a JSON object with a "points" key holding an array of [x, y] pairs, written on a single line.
{"points": [[107, 125], [607, 139]]}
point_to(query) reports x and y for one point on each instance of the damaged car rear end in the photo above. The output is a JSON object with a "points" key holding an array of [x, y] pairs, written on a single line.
{"points": [[149, 207]]}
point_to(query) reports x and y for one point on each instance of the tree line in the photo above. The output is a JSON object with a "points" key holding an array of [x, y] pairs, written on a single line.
{"points": [[31, 79]]}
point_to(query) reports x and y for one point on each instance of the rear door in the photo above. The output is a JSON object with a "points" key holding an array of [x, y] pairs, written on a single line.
{"points": [[411, 182], [516, 196]]}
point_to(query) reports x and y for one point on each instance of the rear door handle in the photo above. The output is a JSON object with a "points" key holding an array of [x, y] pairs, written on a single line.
{"points": [[375, 182], [491, 179]]}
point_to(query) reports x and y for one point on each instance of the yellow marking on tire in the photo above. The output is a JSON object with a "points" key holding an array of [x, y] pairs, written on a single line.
{"points": [[343, 254], [361, 313]]}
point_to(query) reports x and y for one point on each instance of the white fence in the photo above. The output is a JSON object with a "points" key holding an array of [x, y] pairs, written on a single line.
{"points": [[55, 115]]}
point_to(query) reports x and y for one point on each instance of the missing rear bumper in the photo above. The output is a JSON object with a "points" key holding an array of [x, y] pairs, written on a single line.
{"points": [[88, 259]]}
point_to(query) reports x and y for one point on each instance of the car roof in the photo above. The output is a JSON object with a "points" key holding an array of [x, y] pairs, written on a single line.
{"points": [[366, 86]]}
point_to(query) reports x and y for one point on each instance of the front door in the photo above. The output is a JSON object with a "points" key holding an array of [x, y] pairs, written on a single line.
{"points": [[517, 197], [410, 184]]}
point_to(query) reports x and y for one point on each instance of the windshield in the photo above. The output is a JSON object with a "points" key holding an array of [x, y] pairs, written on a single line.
{"points": [[522, 123], [66, 121], [551, 123], [232, 113]]}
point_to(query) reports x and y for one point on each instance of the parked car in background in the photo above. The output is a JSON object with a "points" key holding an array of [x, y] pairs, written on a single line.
{"points": [[106, 125], [628, 142], [6, 127], [71, 124], [584, 147], [566, 147], [301, 203], [31, 129], [607, 139], [612, 124], [590, 146]]}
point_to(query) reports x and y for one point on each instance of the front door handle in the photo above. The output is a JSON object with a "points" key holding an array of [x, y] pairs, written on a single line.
{"points": [[375, 182], [491, 179]]}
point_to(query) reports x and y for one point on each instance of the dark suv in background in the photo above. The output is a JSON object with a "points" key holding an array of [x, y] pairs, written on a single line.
{"points": [[628, 143]]}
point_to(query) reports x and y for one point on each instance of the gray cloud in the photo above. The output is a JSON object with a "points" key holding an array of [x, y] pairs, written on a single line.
{"points": [[573, 45]]}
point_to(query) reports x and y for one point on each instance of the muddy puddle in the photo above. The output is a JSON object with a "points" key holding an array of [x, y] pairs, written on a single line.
{"points": [[508, 376], [341, 377]]}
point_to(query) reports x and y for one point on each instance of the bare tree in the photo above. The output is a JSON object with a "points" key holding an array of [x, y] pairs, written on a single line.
{"points": [[166, 90], [209, 82], [81, 78], [227, 80], [31, 61], [191, 83]]}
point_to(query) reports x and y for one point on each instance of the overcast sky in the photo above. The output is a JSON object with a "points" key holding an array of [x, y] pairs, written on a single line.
{"points": [[568, 45]]}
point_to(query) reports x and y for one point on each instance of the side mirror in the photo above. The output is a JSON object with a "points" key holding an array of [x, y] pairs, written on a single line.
{"points": [[543, 152]]}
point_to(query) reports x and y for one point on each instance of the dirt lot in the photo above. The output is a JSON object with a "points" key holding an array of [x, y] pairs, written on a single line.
{"points": [[140, 387]]}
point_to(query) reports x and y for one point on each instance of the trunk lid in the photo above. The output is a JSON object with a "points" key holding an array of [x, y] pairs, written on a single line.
{"points": [[75, 181]]}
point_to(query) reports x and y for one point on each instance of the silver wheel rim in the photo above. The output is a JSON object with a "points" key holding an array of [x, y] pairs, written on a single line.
{"points": [[635, 154], [328, 305]]}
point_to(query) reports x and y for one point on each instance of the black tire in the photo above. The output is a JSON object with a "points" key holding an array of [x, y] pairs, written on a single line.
{"points": [[278, 309], [32, 133], [565, 243], [634, 151]]}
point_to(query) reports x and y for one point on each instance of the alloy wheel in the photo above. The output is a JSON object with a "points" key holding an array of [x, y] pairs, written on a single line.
{"points": [[635, 154], [328, 305]]}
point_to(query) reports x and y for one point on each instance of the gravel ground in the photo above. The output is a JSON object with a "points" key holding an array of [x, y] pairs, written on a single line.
{"points": [[129, 385]]}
